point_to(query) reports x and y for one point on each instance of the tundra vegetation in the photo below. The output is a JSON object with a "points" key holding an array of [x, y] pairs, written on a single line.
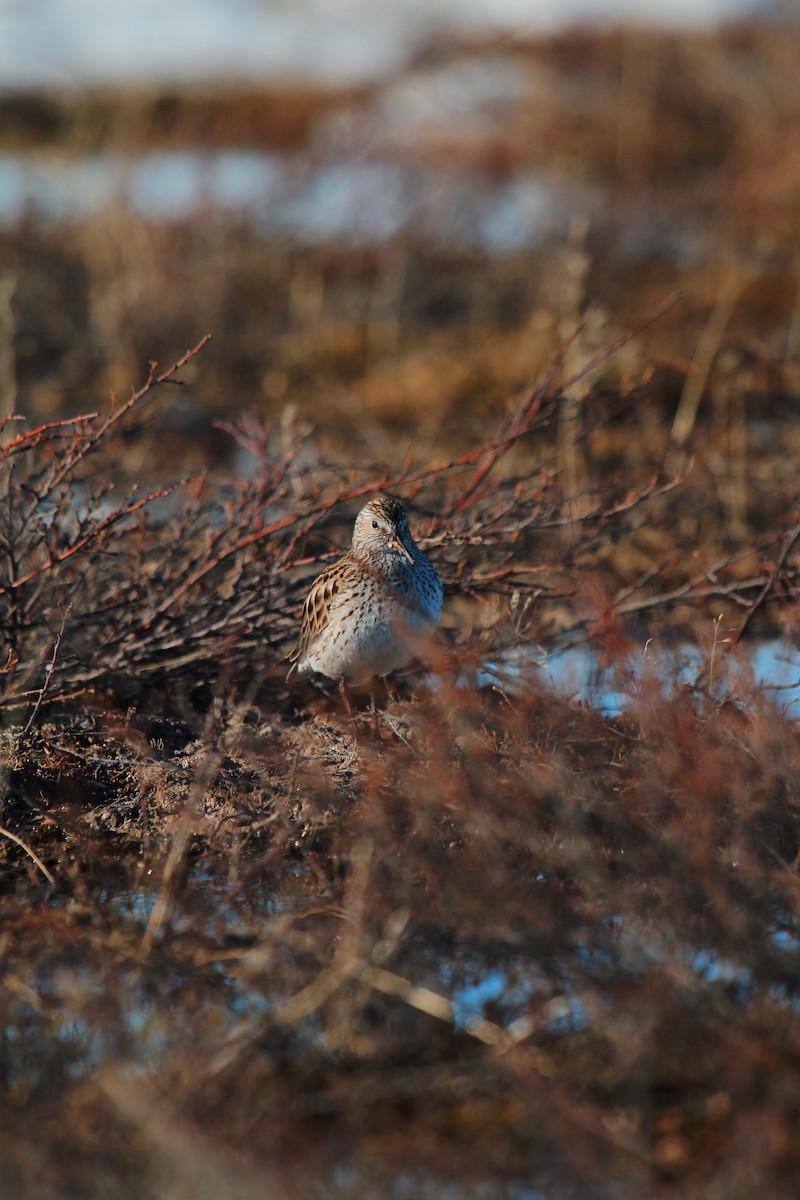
{"points": [[510, 943]]}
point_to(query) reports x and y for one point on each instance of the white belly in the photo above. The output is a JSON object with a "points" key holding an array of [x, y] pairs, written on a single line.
{"points": [[380, 640]]}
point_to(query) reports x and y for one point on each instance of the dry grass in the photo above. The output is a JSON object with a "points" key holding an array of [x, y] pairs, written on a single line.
{"points": [[277, 945], [238, 924], [509, 943]]}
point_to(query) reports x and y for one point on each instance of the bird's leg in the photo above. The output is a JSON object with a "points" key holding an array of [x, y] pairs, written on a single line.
{"points": [[345, 697], [348, 706], [373, 707]]}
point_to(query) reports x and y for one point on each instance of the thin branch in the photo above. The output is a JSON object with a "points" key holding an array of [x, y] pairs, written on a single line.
{"points": [[769, 582], [31, 854], [117, 413], [33, 437], [622, 340], [48, 675], [93, 534]]}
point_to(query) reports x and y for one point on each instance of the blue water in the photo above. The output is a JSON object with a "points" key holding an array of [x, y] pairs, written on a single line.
{"points": [[767, 669], [356, 202]]}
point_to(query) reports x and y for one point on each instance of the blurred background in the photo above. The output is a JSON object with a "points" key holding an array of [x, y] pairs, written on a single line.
{"points": [[79, 42], [391, 217]]}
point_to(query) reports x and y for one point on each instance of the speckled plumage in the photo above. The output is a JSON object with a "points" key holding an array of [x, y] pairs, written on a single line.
{"points": [[369, 613]]}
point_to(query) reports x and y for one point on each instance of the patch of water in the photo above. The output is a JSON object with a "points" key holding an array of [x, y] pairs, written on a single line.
{"points": [[361, 202], [580, 672], [354, 1180]]}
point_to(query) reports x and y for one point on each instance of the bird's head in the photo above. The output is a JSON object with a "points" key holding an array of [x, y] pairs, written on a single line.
{"points": [[382, 527]]}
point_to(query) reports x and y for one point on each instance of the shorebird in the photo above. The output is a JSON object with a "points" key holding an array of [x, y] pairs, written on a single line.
{"points": [[369, 612]]}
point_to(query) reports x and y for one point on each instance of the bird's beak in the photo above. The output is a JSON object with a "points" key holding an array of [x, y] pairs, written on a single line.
{"points": [[397, 545]]}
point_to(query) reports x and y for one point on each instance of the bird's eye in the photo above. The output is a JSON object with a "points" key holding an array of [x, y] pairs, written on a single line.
{"points": [[374, 524]]}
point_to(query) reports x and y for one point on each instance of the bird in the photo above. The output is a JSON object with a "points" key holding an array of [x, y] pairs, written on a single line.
{"points": [[370, 611]]}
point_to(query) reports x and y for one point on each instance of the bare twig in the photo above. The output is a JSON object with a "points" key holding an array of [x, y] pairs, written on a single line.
{"points": [[12, 837], [769, 583], [48, 675], [118, 412]]}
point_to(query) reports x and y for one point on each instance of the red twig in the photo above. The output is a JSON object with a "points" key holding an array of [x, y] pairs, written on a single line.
{"points": [[32, 437], [94, 533], [769, 583], [117, 413]]}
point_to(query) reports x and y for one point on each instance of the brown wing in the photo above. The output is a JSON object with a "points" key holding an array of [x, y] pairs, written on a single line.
{"points": [[318, 605]]}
